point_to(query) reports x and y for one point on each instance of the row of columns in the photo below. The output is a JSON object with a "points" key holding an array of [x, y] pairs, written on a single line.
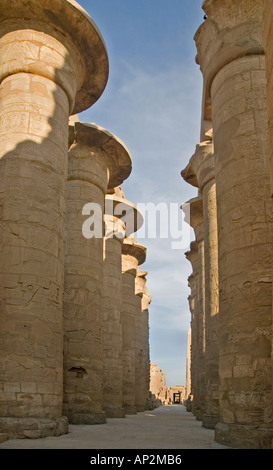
{"points": [[231, 284], [71, 338]]}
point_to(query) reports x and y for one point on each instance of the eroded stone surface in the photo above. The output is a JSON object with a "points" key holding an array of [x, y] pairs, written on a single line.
{"points": [[92, 349], [200, 172], [235, 113], [133, 254]]}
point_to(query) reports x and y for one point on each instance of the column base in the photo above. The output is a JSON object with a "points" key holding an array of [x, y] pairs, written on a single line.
{"points": [[243, 436], [114, 412], [95, 417], [210, 421], [33, 428], [3, 437], [188, 406], [140, 408], [130, 410], [197, 413]]}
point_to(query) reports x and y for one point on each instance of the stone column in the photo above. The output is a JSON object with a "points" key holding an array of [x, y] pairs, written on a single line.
{"points": [[97, 160], [139, 359], [196, 221], [142, 341], [188, 363], [202, 166], [267, 37], [133, 255], [53, 63], [267, 40], [146, 300], [112, 303], [112, 331], [232, 60], [193, 396], [117, 227]]}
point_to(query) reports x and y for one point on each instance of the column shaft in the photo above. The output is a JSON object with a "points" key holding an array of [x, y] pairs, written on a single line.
{"points": [[34, 112], [128, 321], [143, 299], [146, 355], [192, 256], [231, 56], [198, 325], [211, 365], [83, 362], [201, 338], [267, 40], [32, 240], [44, 77], [112, 329], [188, 365], [267, 36], [140, 363], [201, 172], [119, 306], [245, 244]]}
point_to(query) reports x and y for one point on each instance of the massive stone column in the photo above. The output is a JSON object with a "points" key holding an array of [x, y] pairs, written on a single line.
{"points": [[117, 228], [97, 161], [145, 303], [133, 255], [231, 57], [201, 172], [196, 222], [142, 340], [268, 44], [188, 363], [139, 356], [112, 330], [146, 300], [267, 41], [193, 282], [53, 63]]}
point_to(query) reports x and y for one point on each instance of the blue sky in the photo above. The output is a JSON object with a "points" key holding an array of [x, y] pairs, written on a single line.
{"points": [[152, 102]]}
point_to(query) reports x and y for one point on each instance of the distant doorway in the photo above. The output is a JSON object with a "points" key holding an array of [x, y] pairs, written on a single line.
{"points": [[176, 398]]}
